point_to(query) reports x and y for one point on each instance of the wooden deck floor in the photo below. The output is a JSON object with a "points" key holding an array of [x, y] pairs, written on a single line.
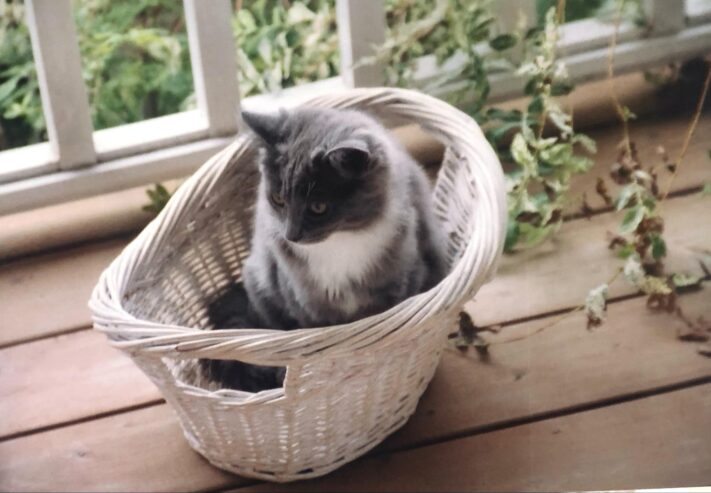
{"points": [[625, 405]]}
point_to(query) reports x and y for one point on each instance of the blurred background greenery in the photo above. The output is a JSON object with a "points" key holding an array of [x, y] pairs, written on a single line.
{"points": [[136, 63]]}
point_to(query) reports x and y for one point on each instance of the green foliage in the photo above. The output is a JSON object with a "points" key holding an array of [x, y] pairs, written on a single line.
{"points": [[136, 62], [21, 119], [135, 59], [282, 46], [574, 9], [544, 164], [158, 197]]}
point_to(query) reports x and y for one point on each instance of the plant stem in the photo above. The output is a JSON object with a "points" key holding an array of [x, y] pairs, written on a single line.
{"points": [[689, 133], [610, 78], [556, 321]]}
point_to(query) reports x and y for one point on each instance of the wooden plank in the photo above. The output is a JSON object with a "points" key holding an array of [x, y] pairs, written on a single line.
{"points": [[636, 351], [46, 295], [137, 451], [119, 174], [562, 367], [668, 132], [59, 73], [61, 283], [558, 274], [212, 55], [66, 378], [361, 27], [665, 16], [661, 441]]}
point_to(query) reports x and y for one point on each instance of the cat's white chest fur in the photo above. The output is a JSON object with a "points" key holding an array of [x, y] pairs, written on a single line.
{"points": [[344, 259]]}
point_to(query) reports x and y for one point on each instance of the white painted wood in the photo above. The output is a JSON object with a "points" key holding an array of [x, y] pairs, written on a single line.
{"points": [[64, 99], [589, 34], [698, 12], [146, 167], [361, 27], [150, 135], [28, 161], [63, 186], [632, 53], [665, 16], [630, 56], [213, 58]]}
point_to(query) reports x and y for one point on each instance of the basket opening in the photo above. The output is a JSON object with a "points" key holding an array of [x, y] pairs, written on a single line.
{"points": [[204, 255]]}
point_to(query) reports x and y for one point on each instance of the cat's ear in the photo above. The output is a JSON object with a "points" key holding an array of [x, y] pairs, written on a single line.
{"points": [[267, 126], [351, 157]]}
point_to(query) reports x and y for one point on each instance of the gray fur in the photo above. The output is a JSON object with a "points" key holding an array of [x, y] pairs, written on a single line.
{"points": [[370, 187]]}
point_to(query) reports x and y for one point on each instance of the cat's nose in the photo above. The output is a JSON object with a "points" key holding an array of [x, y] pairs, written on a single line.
{"points": [[294, 234]]}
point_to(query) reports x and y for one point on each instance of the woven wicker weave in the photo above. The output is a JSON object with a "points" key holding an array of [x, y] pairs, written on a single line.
{"points": [[347, 387]]}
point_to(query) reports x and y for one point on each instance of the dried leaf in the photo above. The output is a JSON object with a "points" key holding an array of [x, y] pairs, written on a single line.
{"points": [[596, 305], [601, 189]]}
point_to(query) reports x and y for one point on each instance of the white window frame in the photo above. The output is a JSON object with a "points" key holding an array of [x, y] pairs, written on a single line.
{"points": [[78, 162]]}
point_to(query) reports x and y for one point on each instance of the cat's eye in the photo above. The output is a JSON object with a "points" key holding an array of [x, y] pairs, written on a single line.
{"points": [[277, 199], [318, 207]]}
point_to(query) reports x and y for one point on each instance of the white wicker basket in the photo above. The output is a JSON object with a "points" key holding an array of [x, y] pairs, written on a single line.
{"points": [[347, 387]]}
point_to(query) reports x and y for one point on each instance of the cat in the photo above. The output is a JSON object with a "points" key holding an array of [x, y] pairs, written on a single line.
{"points": [[344, 228]]}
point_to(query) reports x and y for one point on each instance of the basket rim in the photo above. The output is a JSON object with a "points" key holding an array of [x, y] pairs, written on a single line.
{"points": [[269, 346]]}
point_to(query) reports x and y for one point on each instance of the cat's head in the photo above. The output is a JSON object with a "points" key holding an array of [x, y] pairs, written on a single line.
{"points": [[323, 171]]}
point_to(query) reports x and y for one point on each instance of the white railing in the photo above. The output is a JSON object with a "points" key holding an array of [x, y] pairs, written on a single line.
{"points": [[78, 162]]}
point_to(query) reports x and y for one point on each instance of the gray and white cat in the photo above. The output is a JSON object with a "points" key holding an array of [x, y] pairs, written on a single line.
{"points": [[343, 229]]}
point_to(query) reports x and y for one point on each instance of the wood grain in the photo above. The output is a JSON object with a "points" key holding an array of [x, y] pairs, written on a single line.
{"points": [[45, 295], [137, 451], [562, 368], [668, 132], [558, 274], [661, 441], [66, 378]]}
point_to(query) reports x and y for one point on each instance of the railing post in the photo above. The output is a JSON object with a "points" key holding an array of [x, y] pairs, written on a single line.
{"points": [[213, 58], [665, 16], [64, 99], [361, 28]]}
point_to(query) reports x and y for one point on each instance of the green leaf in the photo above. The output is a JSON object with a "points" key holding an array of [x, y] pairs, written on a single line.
{"points": [[588, 143], [686, 280], [659, 247], [512, 235], [503, 42], [531, 235], [707, 189], [561, 88], [7, 87], [627, 114], [626, 194], [558, 154], [536, 105], [299, 13], [631, 219], [625, 251], [521, 153]]}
